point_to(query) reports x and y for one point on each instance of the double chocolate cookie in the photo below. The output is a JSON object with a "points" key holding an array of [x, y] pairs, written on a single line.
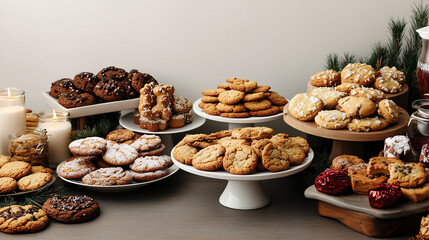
{"points": [[71, 209], [71, 99], [64, 85], [138, 79], [109, 89], [114, 73], [85, 81]]}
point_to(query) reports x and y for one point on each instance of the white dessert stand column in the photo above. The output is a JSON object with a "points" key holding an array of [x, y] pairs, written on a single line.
{"points": [[242, 192], [245, 192], [127, 121]]}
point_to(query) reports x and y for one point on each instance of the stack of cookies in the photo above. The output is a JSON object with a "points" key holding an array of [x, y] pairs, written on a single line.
{"points": [[242, 151], [119, 159], [241, 98], [20, 175], [110, 84], [364, 110], [159, 108], [31, 118], [361, 75], [411, 177]]}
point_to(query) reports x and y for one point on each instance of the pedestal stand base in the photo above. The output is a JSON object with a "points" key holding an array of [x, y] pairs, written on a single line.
{"points": [[244, 195]]}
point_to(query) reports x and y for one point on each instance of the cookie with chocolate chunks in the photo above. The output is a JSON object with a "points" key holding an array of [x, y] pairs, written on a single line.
{"points": [[71, 209]]}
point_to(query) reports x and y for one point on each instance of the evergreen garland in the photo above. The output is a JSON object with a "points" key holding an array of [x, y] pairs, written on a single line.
{"points": [[97, 126], [36, 198]]}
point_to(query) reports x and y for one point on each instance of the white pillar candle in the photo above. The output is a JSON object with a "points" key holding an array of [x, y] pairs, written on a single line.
{"points": [[58, 129], [12, 115]]}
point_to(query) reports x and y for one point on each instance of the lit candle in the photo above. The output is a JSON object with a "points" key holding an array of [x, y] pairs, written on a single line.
{"points": [[12, 115], [58, 127]]}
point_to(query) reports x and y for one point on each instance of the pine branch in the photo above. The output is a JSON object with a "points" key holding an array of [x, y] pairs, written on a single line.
{"points": [[346, 59], [378, 56], [397, 31], [320, 163], [97, 126], [332, 62]]}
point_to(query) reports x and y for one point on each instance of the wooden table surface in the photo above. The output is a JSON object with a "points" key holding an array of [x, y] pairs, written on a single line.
{"points": [[185, 206]]}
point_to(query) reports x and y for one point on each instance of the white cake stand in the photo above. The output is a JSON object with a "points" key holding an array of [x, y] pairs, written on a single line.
{"points": [[245, 192], [127, 121], [235, 122]]}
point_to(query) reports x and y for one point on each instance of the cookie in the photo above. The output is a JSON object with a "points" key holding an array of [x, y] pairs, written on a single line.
{"points": [[210, 108], [138, 79], [356, 167], [213, 92], [225, 86], [130, 92], [90, 146], [109, 90], [180, 105], [209, 99], [235, 115], [72, 100], [371, 93], [114, 73], [15, 169], [184, 154], [392, 73], [301, 142], [367, 124], [388, 110], [356, 106], [261, 88], [329, 96], [380, 165], [210, 158], [387, 85], [416, 195], [22, 219], [240, 160], [231, 97], [3, 160], [326, 78], [347, 87], [359, 73], [237, 80], [107, 177], [71, 209], [155, 152], [7, 184], [76, 167], [154, 125], [243, 86], [146, 143], [120, 135], [277, 99], [221, 134], [399, 147], [64, 85], [150, 163], [266, 112], [149, 176], [103, 164], [253, 97], [305, 106], [295, 152], [275, 158], [258, 105], [85, 81], [120, 154], [406, 175], [332, 119], [343, 162], [259, 145], [362, 182], [225, 108], [252, 133], [34, 181]]}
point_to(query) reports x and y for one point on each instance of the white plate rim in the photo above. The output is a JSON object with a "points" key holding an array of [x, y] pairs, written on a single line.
{"points": [[54, 178]]}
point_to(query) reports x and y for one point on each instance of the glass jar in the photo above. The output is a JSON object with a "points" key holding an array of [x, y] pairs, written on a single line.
{"points": [[58, 126], [12, 115], [422, 71], [29, 145], [418, 126]]}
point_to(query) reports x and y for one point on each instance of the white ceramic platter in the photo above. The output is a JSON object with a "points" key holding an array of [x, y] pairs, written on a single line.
{"points": [[248, 120], [17, 192], [94, 109], [119, 188], [127, 121]]}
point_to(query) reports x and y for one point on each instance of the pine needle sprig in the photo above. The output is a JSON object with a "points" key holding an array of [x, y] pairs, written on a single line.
{"points": [[378, 56], [397, 32], [97, 126], [332, 62], [320, 163], [346, 59], [37, 198]]}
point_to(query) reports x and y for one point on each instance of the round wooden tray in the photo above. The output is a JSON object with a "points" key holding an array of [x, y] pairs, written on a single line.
{"points": [[400, 98], [345, 134]]}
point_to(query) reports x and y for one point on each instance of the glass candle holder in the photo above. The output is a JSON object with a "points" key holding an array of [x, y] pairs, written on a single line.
{"points": [[58, 126], [29, 145], [418, 126], [12, 115]]}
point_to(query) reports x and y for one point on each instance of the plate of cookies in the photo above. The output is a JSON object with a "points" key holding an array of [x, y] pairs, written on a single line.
{"points": [[253, 153], [123, 161], [238, 101], [19, 177], [110, 90]]}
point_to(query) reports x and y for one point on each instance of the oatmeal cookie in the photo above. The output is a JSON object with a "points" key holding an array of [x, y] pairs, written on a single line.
{"points": [[184, 154], [15, 169], [261, 88], [301, 142], [209, 99], [3, 160], [243, 86], [252, 133], [258, 105], [235, 115], [235, 108], [210, 108], [7, 184], [213, 92], [266, 112], [277, 99]]}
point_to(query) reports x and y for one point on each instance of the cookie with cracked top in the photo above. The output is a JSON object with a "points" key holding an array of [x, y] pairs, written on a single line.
{"points": [[85, 81], [275, 158], [356, 106], [109, 90], [371, 93], [359, 73], [34, 181], [22, 219], [367, 124], [113, 73], [184, 154], [76, 167], [120, 135], [138, 79], [209, 158], [343, 162], [329, 96], [240, 159], [389, 110], [231, 97], [108, 176], [64, 85], [392, 73], [7, 184], [71, 209], [15, 169]]}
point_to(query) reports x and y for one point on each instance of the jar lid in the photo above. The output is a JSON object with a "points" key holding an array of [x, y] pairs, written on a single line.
{"points": [[29, 134], [423, 32]]}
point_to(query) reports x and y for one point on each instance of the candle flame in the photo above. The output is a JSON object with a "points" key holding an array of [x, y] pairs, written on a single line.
{"points": [[8, 92], [54, 114]]}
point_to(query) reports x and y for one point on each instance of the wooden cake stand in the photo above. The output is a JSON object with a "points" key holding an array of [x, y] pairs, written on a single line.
{"points": [[401, 98], [344, 140]]}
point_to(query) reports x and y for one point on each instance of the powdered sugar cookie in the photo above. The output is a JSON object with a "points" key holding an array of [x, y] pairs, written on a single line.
{"points": [[332, 119], [108, 176], [359, 73], [389, 110], [146, 143], [90, 146], [120, 154], [155, 152], [329, 96], [149, 176], [392, 73], [325, 79], [371, 93], [76, 167], [150, 163], [305, 106]]}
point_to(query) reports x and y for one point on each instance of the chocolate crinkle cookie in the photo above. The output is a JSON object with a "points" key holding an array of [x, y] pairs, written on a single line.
{"points": [[71, 209]]}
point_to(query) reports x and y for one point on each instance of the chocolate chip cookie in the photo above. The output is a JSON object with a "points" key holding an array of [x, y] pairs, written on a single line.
{"points": [[71, 209], [22, 219]]}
